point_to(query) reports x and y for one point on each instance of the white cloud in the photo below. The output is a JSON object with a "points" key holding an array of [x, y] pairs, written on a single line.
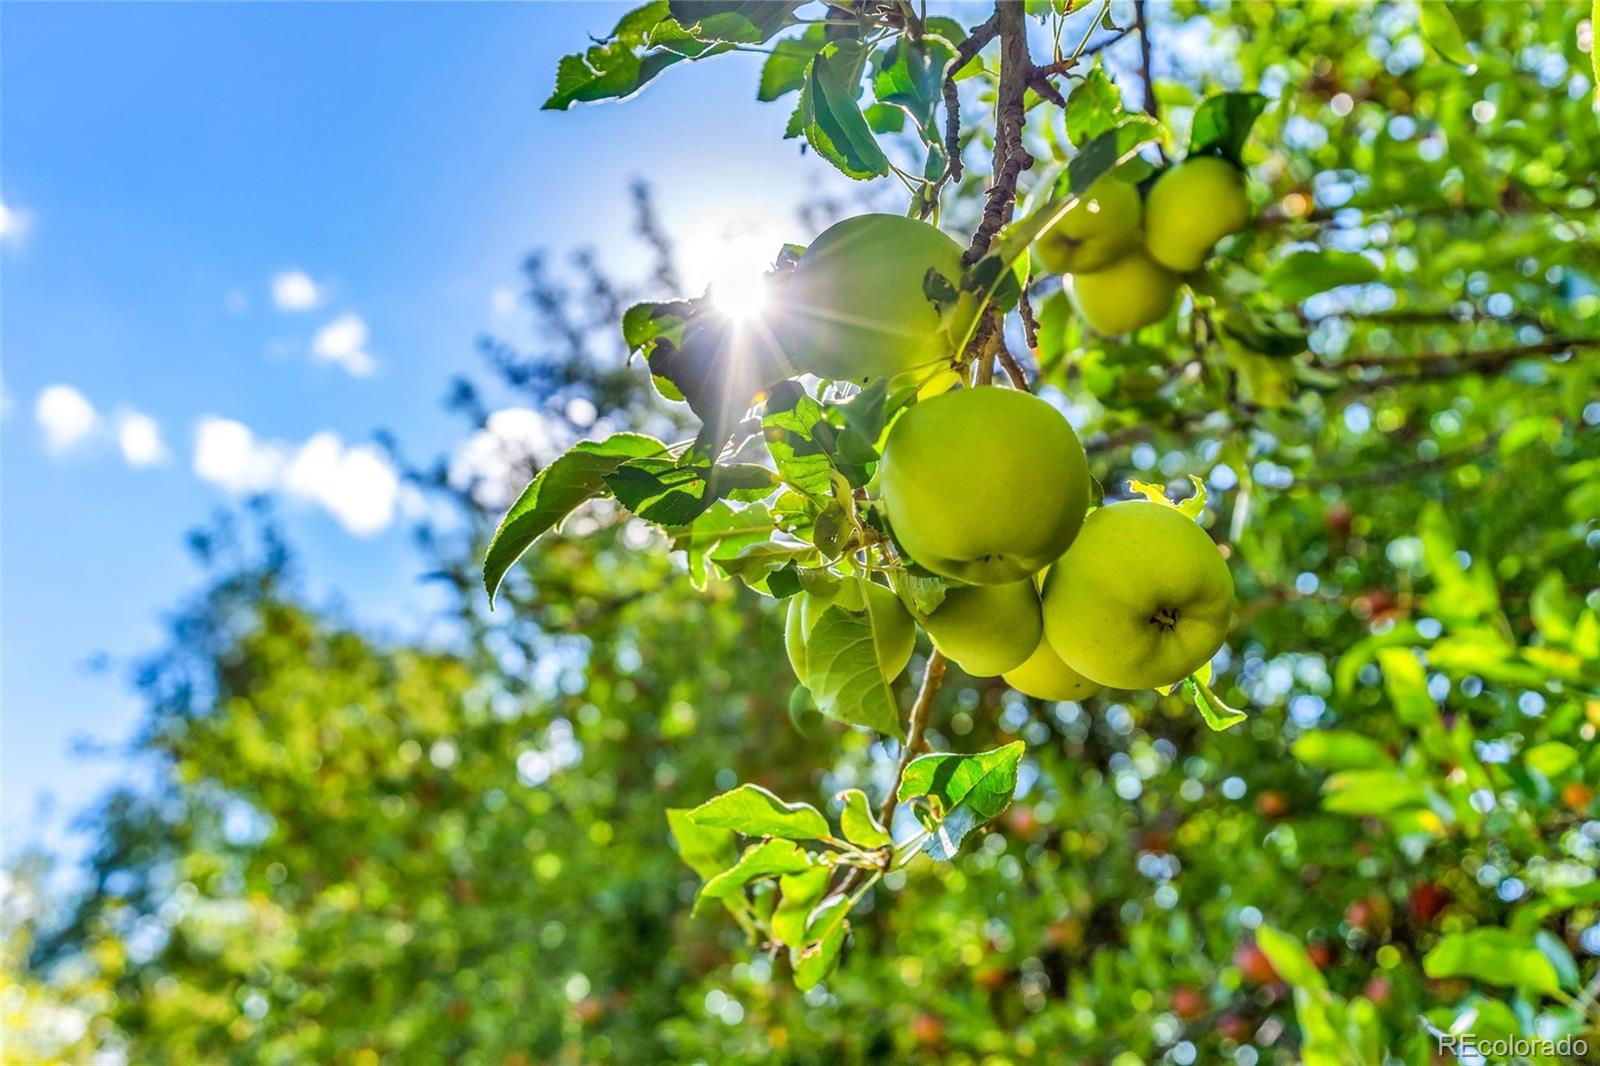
{"points": [[67, 418], [293, 290], [139, 437], [15, 224], [226, 453], [356, 484], [344, 342], [493, 462]]}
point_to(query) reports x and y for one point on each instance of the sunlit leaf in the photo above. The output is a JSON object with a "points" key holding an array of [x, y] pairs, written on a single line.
{"points": [[756, 812], [858, 823], [970, 791]]}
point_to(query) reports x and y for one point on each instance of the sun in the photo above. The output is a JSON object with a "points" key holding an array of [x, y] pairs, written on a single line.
{"points": [[729, 257]]}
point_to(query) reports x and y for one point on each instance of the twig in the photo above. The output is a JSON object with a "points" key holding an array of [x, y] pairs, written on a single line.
{"points": [[1010, 157], [1013, 369], [1428, 367], [1150, 105], [1030, 326], [932, 678], [979, 36]]}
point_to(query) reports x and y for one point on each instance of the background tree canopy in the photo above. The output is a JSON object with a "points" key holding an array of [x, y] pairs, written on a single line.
{"points": [[358, 850]]}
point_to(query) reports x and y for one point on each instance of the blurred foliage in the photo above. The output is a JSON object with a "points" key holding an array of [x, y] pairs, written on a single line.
{"points": [[362, 850]]}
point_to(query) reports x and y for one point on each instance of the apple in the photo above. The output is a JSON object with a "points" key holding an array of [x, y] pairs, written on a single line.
{"points": [[1131, 293], [1253, 964], [1188, 1003], [1044, 676], [1099, 229], [986, 485], [987, 629], [1191, 207], [894, 634], [1142, 599], [856, 310]]}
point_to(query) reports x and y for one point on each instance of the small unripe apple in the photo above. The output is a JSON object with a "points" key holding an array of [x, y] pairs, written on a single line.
{"points": [[987, 629], [1142, 599], [856, 309], [1191, 207], [985, 485], [1045, 677], [894, 634], [1099, 229], [1131, 293], [1188, 1004], [1253, 964]]}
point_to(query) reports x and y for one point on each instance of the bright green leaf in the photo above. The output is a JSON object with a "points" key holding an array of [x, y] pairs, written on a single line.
{"points": [[755, 812]]}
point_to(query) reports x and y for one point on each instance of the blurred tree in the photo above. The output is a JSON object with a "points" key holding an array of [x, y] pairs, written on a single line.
{"points": [[364, 851]]}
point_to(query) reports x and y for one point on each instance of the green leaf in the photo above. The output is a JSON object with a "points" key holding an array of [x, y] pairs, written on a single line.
{"points": [[843, 674], [770, 858], [1552, 758], [1441, 30], [720, 534], [1560, 956], [859, 825], [1289, 958], [969, 792], [1374, 792], [755, 812], [1494, 956], [833, 122], [798, 895], [1407, 685], [757, 564], [825, 933], [1333, 749], [1218, 715], [1306, 273], [1094, 107], [784, 71], [554, 492], [738, 21], [671, 494], [704, 849], [1222, 124], [910, 76], [789, 425]]}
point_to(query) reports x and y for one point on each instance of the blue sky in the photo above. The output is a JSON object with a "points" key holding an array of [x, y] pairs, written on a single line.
{"points": [[237, 240]]}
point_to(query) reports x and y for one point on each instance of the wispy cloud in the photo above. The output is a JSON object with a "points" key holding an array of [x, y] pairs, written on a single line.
{"points": [[67, 418], [343, 342], [293, 290], [355, 483]]}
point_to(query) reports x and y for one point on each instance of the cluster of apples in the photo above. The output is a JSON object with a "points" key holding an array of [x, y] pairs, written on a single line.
{"points": [[988, 487], [1127, 255]]}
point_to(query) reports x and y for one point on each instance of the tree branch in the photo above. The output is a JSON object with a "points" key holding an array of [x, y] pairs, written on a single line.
{"points": [[1010, 157], [932, 678], [979, 36], [1150, 105]]}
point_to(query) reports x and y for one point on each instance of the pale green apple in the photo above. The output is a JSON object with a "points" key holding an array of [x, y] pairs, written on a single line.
{"points": [[856, 308], [1191, 207], [985, 485], [1142, 599], [894, 633], [1129, 294], [987, 629], [1101, 227], [1044, 676]]}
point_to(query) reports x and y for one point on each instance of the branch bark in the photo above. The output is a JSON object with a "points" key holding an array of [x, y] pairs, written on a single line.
{"points": [[1010, 157], [932, 678], [977, 37]]}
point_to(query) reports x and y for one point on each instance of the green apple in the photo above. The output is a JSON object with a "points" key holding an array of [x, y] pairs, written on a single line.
{"points": [[1044, 676], [1191, 207], [856, 309], [987, 629], [985, 485], [1142, 599], [1101, 227], [894, 634], [1129, 294]]}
